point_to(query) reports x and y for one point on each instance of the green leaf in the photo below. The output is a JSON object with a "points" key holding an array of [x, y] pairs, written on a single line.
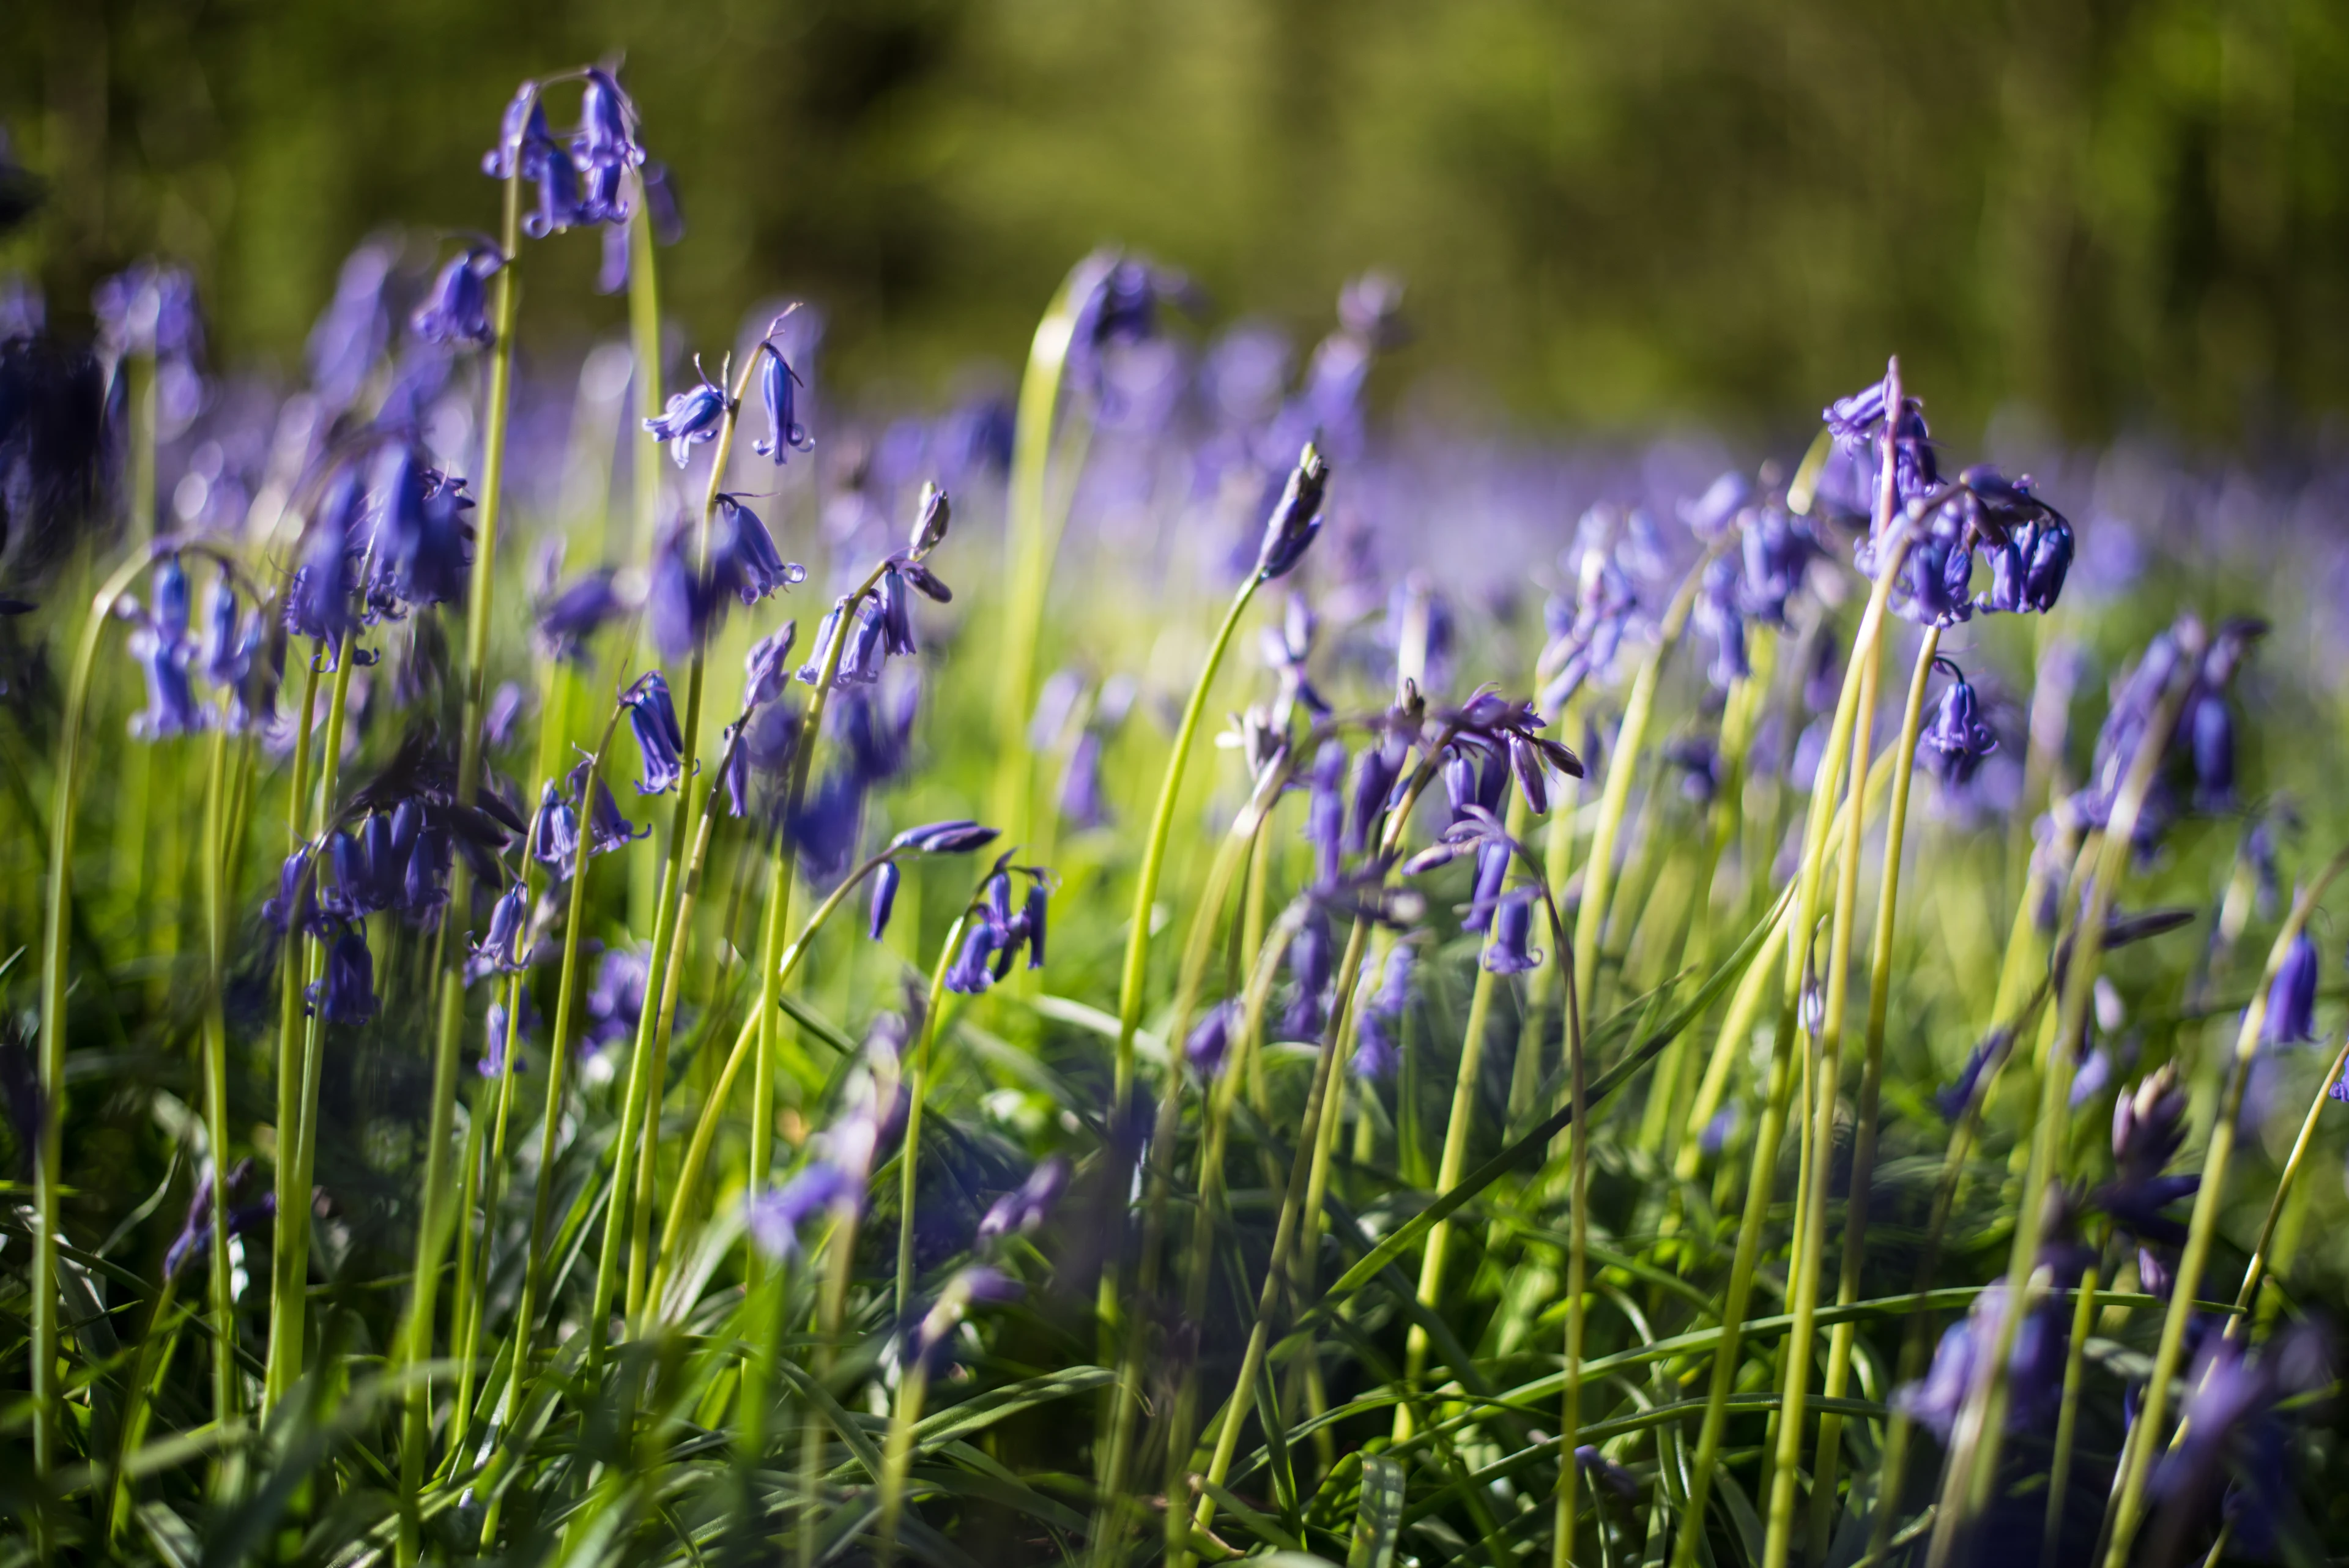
{"points": [[1368, 1268], [1379, 1519], [984, 1410]]}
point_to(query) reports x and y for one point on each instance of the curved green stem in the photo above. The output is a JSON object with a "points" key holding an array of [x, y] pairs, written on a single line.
{"points": [[2130, 1490], [917, 1086], [1871, 1087]]}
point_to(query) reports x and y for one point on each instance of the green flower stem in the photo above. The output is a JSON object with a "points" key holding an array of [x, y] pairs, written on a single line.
{"points": [[2059, 1474], [1577, 1255], [2255, 1274], [474, 1195], [1871, 1088], [435, 1222], [558, 1063], [1917, 1342], [1458, 1128], [898, 1455], [1030, 544], [2129, 1493], [1980, 1431], [917, 1087], [1804, 911], [1300, 1165], [1218, 1102], [1231, 857], [645, 354], [1824, 1063], [220, 1285], [643, 1283], [290, 966], [671, 938], [705, 1129], [286, 1323], [1598, 874], [157, 1344]]}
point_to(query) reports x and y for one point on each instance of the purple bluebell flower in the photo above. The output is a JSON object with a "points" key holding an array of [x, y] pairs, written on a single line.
{"points": [[1210, 1040], [1296, 517], [825, 829], [691, 418], [1699, 762], [1492, 874], [1325, 813], [743, 558], [320, 603], [2148, 1127], [225, 656], [1777, 549], [1310, 961], [971, 974], [1035, 913], [425, 877], [2035, 1369], [616, 999], [419, 550], [1857, 423], [2234, 1427], [768, 665], [1511, 950], [659, 738], [607, 124], [1604, 1472], [1377, 1043], [1028, 1206], [501, 951], [2049, 558], [523, 136], [1720, 614], [458, 308], [347, 992], [503, 1030], [959, 836], [868, 648], [1374, 785], [776, 1216], [585, 606], [606, 828], [295, 903], [1285, 649], [680, 599], [555, 841], [777, 394], [165, 653], [244, 1216], [897, 614], [1500, 725], [1474, 779], [884, 897], [933, 512], [1989, 1050], [1080, 797], [820, 653], [1955, 742], [2292, 997]]}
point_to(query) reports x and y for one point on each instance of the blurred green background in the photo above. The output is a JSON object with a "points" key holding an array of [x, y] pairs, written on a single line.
{"points": [[2125, 216]]}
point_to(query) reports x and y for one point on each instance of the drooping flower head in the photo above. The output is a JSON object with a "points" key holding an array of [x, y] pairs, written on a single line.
{"points": [[457, 309], [1955, 744], [660, 738], [779, 395], [691, 418]]}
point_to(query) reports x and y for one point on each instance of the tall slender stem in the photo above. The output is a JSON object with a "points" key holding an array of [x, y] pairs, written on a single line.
{"points": [[1871, 1088]]}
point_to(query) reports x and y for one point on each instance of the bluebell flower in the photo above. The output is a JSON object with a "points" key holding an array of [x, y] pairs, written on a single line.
{"points": [[1935, 579], [743, 558], [244, 1218], [1492, 874], [555, 840], [345, 994], [606, 828], [295, 903], [896, 615], [496, 1034], [2291, 996], [617, 1000], [1028, 1206], [1776, 550], [165, 652], [458, 308], [1285, 650], [1080, 798], [1604, 1472], [1310, 961], [1474, 779], [1989, 1050], [1719, 614], [1500, 725], [1374, 785], [501, 951], [1325, 811], [959, 836], [419, 542], [820, 653], [767, 665], [1296, 517], [777, 394], [825, 829], [884, 897], [1857, 423], [774, 1217], [1510, 950], [691, 418], [1955, 742], [559, 202], [2234, 1427], [933, 512], [607, 124], [2148, 1128], [1699, 762], [659, 738], [867, 650], [1377, 1043], [2049, 560], [523, 136], [1210, 1040], [1035, 913], [971, 973], [424, 879], [2035, 1369]]}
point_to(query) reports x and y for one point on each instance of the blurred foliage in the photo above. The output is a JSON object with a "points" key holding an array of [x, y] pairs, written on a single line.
{"points": [[2125, 215]]}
